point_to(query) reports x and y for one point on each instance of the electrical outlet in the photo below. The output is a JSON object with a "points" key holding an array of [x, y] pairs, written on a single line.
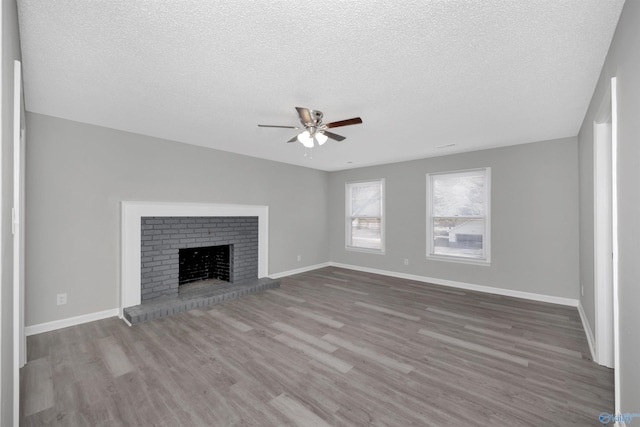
{"points": [[299, 257], [61, 299], [406, 261]]}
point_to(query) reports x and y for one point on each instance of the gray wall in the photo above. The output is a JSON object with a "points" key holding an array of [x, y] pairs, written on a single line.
{"points": [[586, 220], [10, 52], [622, 61], [534, 205], [78, 174]]}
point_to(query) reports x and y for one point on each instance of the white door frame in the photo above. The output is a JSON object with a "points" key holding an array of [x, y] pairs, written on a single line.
{"points": [[19, 342], [1, 201], [603, 233], [614, 222], [605, 132]]}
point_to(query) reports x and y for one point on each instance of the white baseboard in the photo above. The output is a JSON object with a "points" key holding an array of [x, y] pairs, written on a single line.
{"points": [[461, 285], [72, 321], [587, 330], [299, 270], [64, 323]]}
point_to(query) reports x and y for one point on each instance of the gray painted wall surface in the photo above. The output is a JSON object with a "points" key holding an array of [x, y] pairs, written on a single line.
{"points": [[10, 52], [587, 220], [622, 61], [534, 224], [78, 174]]}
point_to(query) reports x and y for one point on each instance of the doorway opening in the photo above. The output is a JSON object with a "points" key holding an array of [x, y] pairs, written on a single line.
{"points": [[606, 236]]}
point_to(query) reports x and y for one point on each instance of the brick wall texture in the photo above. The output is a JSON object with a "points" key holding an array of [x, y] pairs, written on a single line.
{"points": [[163, 237]]}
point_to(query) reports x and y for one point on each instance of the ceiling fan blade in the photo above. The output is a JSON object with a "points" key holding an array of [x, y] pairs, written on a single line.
{"points": [[277, 126], [348, 122], [294, 139], [335, 136], [304, 114]]}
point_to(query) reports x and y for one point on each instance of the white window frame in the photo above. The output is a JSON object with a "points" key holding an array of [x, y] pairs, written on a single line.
{"points": [[486, 243], [349, 218]]}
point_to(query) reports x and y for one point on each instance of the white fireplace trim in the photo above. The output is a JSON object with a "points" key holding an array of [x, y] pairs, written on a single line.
{"points": [[131, 237]]}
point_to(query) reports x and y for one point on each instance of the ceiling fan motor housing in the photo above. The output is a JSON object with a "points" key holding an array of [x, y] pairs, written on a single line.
{"points": [[316, 117]]}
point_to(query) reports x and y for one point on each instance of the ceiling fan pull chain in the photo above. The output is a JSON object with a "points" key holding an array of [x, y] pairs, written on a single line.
{"points": [[308, 153]]}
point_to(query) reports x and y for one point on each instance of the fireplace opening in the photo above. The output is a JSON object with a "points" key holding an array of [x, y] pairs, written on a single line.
{"points": [[206, 263]]}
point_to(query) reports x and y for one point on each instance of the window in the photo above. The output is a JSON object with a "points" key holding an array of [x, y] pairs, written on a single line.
{"points": [[365, 217], [458, 217]]}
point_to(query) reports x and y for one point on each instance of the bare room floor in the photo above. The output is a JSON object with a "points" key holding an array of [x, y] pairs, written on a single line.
{"points": [[330, 347]]}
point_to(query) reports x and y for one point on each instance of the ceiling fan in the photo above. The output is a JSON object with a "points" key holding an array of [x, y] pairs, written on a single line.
{"points": [[314, 129]]}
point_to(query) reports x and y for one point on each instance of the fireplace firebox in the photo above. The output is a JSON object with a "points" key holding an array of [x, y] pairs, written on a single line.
{"points": [[210, 262]]}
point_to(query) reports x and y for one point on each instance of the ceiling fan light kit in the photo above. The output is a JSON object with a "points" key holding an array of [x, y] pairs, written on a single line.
{"points": [[314, 130], [306, 139], [321, 138]]}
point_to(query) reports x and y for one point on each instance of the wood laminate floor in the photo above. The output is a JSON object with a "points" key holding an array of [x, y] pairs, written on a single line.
{"points": [[331, 347]]}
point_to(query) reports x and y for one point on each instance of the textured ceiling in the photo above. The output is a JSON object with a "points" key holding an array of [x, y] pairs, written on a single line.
{"points": [[421, 74]]}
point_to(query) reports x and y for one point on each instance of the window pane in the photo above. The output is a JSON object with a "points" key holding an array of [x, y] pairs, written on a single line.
{"points": [[458, 237], [458, 194], [366, 233], [366, 199]]}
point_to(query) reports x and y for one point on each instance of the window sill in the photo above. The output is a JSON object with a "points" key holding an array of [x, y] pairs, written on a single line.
{"points": [[365, 250], [459, 260]]}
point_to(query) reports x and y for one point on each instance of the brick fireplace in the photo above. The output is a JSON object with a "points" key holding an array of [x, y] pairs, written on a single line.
{"points": [[132, 237], [196, 248]]}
